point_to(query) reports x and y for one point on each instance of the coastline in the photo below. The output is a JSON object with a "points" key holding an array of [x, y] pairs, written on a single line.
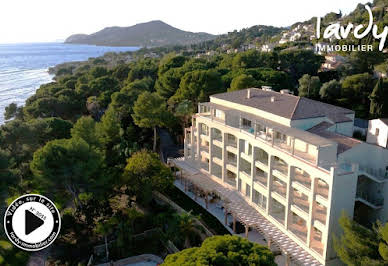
{"points": [[25, 67]]}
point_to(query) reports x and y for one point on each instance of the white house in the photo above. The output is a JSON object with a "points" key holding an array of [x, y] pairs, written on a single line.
{"points": [[378, 132]]}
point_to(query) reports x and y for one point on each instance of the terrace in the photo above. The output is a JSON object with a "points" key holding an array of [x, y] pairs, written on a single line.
{"points": [[279, 187], [298, 143], [302, 178], [298, 226], [261, 177], [300, 200], [280, 166]]}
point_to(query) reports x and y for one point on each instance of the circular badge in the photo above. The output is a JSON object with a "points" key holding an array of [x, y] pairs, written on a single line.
{"points": [[32, 222]]}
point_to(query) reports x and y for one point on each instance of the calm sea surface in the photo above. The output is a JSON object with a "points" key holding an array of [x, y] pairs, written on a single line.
{"points": [[23, 67]]}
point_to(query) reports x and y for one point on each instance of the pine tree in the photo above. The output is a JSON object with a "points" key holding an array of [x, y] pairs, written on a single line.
{"points": [[377, 100], [360, 246]]}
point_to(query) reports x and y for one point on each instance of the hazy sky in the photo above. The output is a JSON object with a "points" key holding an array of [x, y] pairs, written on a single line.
{"points": [[50, 20]]}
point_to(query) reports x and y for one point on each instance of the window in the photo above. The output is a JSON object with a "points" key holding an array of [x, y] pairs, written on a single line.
{"points": [[217, 113], [377, 132]]}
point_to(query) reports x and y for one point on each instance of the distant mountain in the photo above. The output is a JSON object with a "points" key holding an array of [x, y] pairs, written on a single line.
{"points": [[149, 34]]}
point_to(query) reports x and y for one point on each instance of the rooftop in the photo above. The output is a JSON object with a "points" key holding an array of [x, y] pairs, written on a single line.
{"points": [[384, 120], [290, 131], [344, 143], [286, 105]]}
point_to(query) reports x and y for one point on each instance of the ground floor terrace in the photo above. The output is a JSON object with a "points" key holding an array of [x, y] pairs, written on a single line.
{"points": [[228, 206]]}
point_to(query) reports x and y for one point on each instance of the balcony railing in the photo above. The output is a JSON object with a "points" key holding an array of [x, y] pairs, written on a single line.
{"points": [[231, 180], [301, 202], [323, 190], [320, 214], [276, 138], [376, 201], [380, 174], [282, 168], [280, 189], [305, 181], [261, 179]]}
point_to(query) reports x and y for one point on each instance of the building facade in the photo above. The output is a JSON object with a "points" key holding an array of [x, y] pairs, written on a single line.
{"points": [[293, 160]]}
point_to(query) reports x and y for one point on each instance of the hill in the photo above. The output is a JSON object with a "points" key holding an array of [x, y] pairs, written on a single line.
{"points": [[150, 34]]}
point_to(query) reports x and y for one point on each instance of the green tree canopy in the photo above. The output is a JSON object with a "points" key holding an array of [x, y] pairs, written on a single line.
{"points": [[331, 90], [378, 100], [242, 81], [361, 246], [85, 128], [309, 86], [66, 164], [195, 82], [145, 172], [150, 111], [300, 62], [223, 251]]}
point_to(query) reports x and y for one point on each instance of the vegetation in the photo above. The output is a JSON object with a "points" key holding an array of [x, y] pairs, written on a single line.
{"points": [[361, 246], [223, 250], [9, 255], [85, 139]]}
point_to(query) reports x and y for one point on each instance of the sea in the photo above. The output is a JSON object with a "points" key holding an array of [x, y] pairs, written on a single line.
{"points": [[24, 67]]}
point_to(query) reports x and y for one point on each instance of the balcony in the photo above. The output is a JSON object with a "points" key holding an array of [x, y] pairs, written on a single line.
{"points": [[217, 152], [231, 158], [259, 199], [378, 175], [231, 178], [301, 201], [280, 166], [279, 187], [205, 164], [298, 226], [245, 167], [282, 141], [216, 170], [323, 189], [216, 134], [302, 178], [316, 241], [369, 192], [374, 201], [261, 177], [231, 141], [278, 211], [261, 156], [297, 143], [188, 135], [320, 213]]}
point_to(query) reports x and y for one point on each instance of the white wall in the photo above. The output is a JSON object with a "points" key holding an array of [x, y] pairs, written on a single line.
{"points": [[381, 139], [305, 124], [342, 199]]}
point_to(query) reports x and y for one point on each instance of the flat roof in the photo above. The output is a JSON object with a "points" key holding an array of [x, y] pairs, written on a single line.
{"points": [[286, 105]]}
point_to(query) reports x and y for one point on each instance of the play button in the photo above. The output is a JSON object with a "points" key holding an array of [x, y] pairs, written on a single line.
{"points": [[32, 222]]}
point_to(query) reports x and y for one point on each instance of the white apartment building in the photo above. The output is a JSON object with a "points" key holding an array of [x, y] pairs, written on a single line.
{"points": [[287, 166]]}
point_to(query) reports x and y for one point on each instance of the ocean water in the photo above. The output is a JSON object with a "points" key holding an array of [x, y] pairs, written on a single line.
{"points": [[23, 67]]}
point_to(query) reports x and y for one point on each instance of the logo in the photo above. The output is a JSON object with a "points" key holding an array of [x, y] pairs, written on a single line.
{"points": [[32, 222], [340, 32]]}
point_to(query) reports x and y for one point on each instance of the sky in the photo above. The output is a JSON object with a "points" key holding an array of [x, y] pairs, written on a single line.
{"points": [[54, 20]]}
